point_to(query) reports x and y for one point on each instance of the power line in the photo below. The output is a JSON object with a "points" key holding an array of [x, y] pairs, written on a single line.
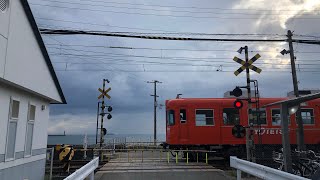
{"points": [[87, 60], [195, 65], [105, 33], [159, 15], [164, 10], [102, 54], [167, 49], [182, 7], [177, 71]]}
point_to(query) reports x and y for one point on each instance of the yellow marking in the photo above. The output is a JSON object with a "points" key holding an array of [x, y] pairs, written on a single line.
{"points": [[104, 93], [187, 158], [206, 158], [176, 158]]}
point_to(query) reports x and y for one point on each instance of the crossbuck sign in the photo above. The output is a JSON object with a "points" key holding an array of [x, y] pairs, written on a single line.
{"points": [[247, 65]]}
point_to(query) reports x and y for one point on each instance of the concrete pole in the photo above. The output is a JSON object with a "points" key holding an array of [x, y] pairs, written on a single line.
{"points": [[285, 139], [300, 133], [248, 130], [155, 114], [98, 110], [155, 111]]}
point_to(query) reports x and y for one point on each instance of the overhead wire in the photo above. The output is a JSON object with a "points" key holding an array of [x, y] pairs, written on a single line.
{"points": [[180, 7], [161, 10], [87, 60], [159, 15], [103, 54], [164, 49]]}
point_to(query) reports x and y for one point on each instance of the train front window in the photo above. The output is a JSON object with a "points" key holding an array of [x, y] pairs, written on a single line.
{"points": [[183, 116], [170, 117], [204, 117], [231, 116]]}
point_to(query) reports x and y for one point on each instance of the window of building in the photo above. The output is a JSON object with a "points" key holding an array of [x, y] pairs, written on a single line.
{"points": [[170, 117], [183, 116], [12, 128], [14, 109], [307, 116], [204, 117], [231, 116], [276, 117], [4, 5], [262, 118], [30, 127]]}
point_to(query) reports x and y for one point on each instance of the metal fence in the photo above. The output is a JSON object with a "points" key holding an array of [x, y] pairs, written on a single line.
{"points": [[156, 155], [49, 163], [304, 163]]}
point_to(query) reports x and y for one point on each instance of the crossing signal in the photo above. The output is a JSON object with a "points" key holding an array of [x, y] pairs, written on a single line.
{"points": [[236, 92], [109, 116], [104, 131], [238, 104], [109, 109]]}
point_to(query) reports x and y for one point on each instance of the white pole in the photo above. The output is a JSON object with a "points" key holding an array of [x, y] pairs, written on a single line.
{"points": [[238, 174], [51, 162]]}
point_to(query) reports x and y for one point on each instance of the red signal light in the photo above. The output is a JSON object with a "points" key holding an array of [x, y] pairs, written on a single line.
{"points": [[237, 104]]}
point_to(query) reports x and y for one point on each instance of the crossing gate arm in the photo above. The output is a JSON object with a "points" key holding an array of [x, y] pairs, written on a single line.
{"points": [[260, 171], [86, 171]]}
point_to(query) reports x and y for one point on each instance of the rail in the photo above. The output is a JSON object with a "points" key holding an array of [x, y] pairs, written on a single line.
{"points": [[86, 171], [260, 171], [156, 154]]}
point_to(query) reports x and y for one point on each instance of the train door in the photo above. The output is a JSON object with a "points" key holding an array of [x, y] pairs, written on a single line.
{"points": [[183, 126], [230, 117]]}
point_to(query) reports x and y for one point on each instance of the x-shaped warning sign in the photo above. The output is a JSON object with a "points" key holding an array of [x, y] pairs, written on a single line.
{"points": [[247, 65], [104, 93]]}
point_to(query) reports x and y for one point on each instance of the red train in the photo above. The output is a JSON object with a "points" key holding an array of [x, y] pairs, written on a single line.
{"points": [[207, 123]]}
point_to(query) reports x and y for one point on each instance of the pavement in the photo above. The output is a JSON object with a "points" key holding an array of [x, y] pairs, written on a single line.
{"points": [[156, 166]]}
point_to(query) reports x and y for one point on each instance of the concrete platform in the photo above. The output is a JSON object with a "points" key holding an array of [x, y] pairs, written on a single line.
{"points": [[156, 168]]}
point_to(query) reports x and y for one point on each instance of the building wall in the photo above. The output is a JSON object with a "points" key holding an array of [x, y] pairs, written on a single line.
{"points": [[39, 141], [21, 59], [34, 170]]}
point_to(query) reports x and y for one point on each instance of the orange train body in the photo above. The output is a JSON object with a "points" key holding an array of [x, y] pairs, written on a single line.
{"points": [[208, 122]]}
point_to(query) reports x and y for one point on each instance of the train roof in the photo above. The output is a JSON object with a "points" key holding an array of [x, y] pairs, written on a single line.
{"points": [[215, 100]]}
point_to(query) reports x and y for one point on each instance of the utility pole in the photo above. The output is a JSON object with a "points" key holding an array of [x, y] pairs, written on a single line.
{"points": [[155, 110], [102, 112], [98, 110], [300, 133], [249, 140]]}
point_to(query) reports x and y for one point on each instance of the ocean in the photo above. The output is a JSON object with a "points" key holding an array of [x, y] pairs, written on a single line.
{"points": [[79, 139]]}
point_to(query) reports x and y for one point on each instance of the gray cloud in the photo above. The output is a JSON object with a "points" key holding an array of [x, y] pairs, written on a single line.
{"points": [[133, 105]]}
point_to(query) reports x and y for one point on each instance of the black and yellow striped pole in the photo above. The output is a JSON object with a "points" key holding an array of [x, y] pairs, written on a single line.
{"points": [[66, 153]]}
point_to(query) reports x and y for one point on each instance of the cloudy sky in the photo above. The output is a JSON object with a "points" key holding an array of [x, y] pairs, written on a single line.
{"points": [[186, 67]]}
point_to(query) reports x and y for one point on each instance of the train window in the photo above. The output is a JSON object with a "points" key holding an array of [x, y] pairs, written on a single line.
{"points": [[263, 117], [231, 116], [204, 117], [183, 116], [170, 117], [276, 117], [307, 116]]}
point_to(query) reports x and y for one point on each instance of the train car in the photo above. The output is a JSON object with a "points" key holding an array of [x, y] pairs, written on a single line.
{"points": [[206, 123]]}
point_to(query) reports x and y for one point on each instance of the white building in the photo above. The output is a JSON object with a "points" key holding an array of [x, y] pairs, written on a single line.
{"points": [[28, 84]]}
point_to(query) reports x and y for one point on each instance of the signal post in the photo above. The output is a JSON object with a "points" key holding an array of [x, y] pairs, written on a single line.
{"points": [[246, 65], [104, 93]]}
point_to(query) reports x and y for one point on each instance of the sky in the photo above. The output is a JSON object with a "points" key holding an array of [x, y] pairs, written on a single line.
{"points": [[192, 68]]}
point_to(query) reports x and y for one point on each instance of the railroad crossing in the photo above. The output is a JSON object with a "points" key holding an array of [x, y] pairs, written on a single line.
{"points": [[156, 164]]}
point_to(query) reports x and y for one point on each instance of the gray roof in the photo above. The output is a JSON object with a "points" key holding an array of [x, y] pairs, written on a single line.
{"points": [[295, 101], [43, 49]]}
